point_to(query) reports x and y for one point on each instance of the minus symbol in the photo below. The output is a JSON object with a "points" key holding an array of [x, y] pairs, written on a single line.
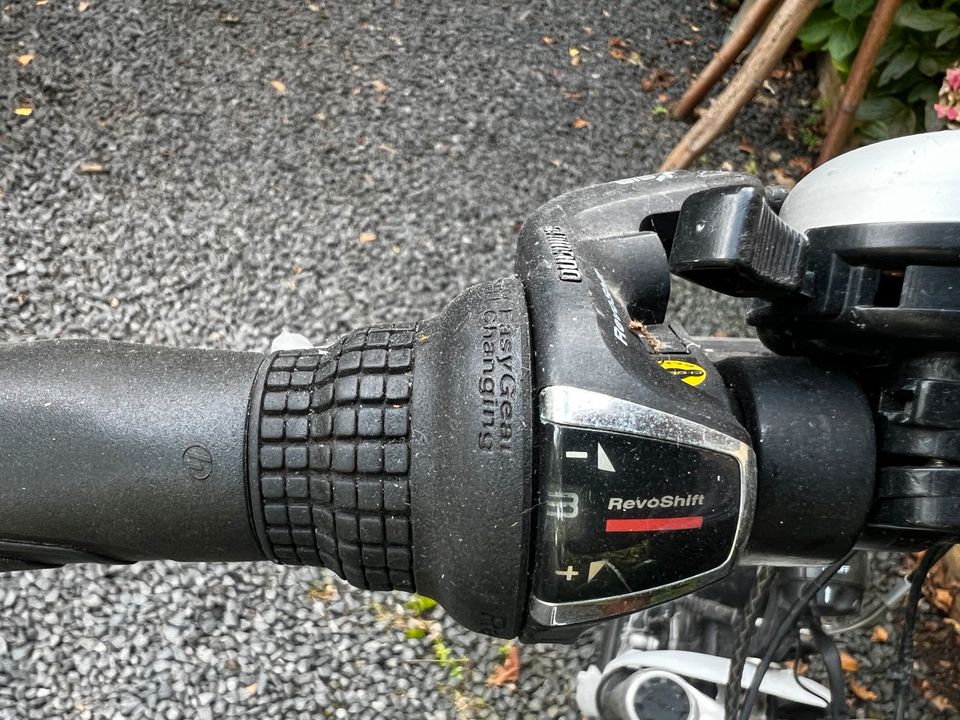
{"points": [[581, 454]]}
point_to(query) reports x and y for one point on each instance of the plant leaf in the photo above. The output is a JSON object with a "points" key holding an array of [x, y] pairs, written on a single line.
{"points": [[899, 65], [878, 108], [850, 9], [947, 34], [843, 41], [418, 604], [929, 65], [911, 15], [818, 28], [927, 92]]}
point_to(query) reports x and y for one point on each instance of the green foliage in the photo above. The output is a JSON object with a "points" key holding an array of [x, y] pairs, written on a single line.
{"points": [[420, 604], [923, 42], [444, 656]]}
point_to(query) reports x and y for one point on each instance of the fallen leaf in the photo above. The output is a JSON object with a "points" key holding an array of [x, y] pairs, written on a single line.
{"points": [[82, 6], [634, 58], [953, 623], [774, 156], [380, 86], [279, 86], [943, 600], [24, 59], [508, 671], [366, 237], [42, 2], [848, 662], [802, 163], [230, 19], [588, 30], [251, 689], [745, 146], [297, 268], [571, 95], [324, 594], [656, 78], [574, 52], [618, 53], [780, 175], [23, 110], [555, 163], [580, 123], [879, 635], [395, 39], [941, 703], [547, 40], [91, 168], [313, 7], [863, 693], [114, 302], [575, 60], [615, 42]]}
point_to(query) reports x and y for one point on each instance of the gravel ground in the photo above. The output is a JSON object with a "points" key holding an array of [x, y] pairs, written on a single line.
{"points": [[227, 210]]}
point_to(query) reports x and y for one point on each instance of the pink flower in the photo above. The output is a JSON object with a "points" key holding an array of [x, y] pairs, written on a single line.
{"points": [[941, 110], [953, 78], [952, 113]]}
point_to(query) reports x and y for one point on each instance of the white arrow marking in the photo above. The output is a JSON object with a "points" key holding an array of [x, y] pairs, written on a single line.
{"points": [[595, 567], [603, 462]]}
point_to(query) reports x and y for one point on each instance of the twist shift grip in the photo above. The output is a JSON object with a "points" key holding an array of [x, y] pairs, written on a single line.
{"points": [[330, 457]]}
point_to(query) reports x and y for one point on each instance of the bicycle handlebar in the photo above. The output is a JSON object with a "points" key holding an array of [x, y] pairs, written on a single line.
{"points": [[550, 451], [116, 453]]}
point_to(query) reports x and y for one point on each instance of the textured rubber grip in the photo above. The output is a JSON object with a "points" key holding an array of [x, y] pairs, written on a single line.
{"points": [[330, 457]]}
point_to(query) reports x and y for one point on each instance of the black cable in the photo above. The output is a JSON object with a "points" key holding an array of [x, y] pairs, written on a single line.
{"points": [[797, 657], [743, 627], [903, 669], [785, 625], [831, 660]]}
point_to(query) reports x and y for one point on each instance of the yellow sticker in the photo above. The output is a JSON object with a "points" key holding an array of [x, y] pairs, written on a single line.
{"points": [[688, 372]]}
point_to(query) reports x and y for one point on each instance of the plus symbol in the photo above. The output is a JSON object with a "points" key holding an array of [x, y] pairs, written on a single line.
{"points": [[569, 573]]}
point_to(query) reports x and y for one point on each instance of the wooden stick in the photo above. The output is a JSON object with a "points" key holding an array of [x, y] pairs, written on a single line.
{"points": [[751, 22], [863, 66], [770, 48]]}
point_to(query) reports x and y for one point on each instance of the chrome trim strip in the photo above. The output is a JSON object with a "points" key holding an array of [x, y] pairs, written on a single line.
{"points": [[572, 406]]}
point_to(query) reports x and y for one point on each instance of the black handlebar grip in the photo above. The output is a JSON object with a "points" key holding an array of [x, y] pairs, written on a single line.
{"points": [[400, 457], [330, 457], [114, 453]]}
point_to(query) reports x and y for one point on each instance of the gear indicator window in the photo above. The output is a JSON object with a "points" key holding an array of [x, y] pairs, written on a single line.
{"points": [[620, 514]]}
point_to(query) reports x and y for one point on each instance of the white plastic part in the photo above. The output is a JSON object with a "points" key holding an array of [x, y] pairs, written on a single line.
{"points": [[909, 179], [290, 341], [778, 682]]}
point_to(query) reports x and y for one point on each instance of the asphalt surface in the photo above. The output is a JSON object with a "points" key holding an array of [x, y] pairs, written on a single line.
{"points": [[244, 150]]}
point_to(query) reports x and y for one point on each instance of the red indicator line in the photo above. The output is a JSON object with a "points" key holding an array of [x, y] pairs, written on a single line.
{"points": [[691, 522]]}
